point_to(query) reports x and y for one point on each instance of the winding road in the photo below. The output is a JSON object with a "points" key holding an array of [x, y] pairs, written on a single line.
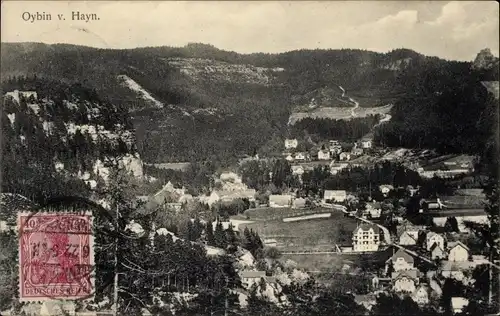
{"points": [[385, 117]]}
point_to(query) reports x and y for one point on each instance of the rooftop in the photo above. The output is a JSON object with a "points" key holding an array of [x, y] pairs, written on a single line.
{"points": [[403, 254], [366, 227], [412, 274], [252, 274], [453, 244]]}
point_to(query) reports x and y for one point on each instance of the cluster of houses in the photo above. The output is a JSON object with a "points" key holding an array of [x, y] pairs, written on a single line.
{"points": [[326, 151], [421, 259], [403, 276]]}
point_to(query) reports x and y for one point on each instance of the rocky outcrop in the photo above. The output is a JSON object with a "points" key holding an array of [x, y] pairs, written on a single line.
{"points": [[485, 60], [203, 69]]}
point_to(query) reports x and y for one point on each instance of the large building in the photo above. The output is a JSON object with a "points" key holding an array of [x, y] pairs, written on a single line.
{"points": [[280, 200], [366, 237], [338, 196]]}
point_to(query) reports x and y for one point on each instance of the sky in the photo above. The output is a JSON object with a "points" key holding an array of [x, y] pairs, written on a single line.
{"points": [[450, 30]]}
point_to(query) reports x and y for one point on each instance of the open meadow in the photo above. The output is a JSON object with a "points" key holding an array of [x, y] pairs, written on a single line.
{"points": [[271, 213], [369, 262], [308, 234]]}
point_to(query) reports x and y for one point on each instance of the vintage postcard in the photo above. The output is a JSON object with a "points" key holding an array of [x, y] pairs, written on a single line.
{"points": [[249, 158]]}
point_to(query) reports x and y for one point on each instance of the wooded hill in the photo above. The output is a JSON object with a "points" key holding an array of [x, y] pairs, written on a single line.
{"points": [[37, 137], [235, 103]]}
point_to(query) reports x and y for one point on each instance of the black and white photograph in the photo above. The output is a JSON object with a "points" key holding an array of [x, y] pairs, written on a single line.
{"points": [[249, 158]]}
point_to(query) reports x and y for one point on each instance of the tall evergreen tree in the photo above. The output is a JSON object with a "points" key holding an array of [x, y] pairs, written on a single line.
{"points": [[220, 236], [209, 233]]}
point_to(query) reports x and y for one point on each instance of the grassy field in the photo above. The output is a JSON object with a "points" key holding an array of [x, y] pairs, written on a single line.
{"points": [[334, 262], [338, 113], [307, 234], [265, 213], [318, 262]]}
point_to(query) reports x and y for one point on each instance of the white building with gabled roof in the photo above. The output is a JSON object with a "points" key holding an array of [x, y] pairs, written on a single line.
{"points": [[291, 143], [366, 237]]}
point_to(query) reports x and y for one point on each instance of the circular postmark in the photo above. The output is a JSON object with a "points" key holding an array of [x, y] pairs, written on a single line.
{"points": [[57, 253]]}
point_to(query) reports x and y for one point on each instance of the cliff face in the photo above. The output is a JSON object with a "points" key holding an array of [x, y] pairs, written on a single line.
{"points": [[55, 132]]}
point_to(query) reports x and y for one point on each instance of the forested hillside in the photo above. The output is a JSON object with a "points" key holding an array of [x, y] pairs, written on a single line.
{"points": [[51, 139], [448, 109], [223, 104]]}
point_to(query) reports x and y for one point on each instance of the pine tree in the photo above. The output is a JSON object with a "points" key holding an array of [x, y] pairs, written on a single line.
{"points": [[197, 229], [220, 236], [189, 233], [247, 241], [209, 232]]}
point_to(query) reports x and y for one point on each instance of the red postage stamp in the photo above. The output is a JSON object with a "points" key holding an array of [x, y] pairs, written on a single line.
{"points": [[56, 256]]}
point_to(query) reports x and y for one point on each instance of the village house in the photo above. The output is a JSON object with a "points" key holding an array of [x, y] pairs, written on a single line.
{"points": [[356, 151], [337, 167], [280, 200], [401, 261], [344, 156], [168, 197], [374, 210], [248, 278], [421, 295], [324, 154], [291, 143], [405, 281], [458, 304], [365, 143], [437, 252], [335, 151], [335, 147], [456, 270], [366, 237], [408, 237], [434, 238], [299, 203], [458, 251], [297, 170], [289, 157], [338, 196], [211, 199], [385, 189], [408, 233], [334, 144], [301, 156]]}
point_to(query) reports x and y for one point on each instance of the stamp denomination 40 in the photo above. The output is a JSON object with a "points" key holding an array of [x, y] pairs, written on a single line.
{"points": [[56, 256]]}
